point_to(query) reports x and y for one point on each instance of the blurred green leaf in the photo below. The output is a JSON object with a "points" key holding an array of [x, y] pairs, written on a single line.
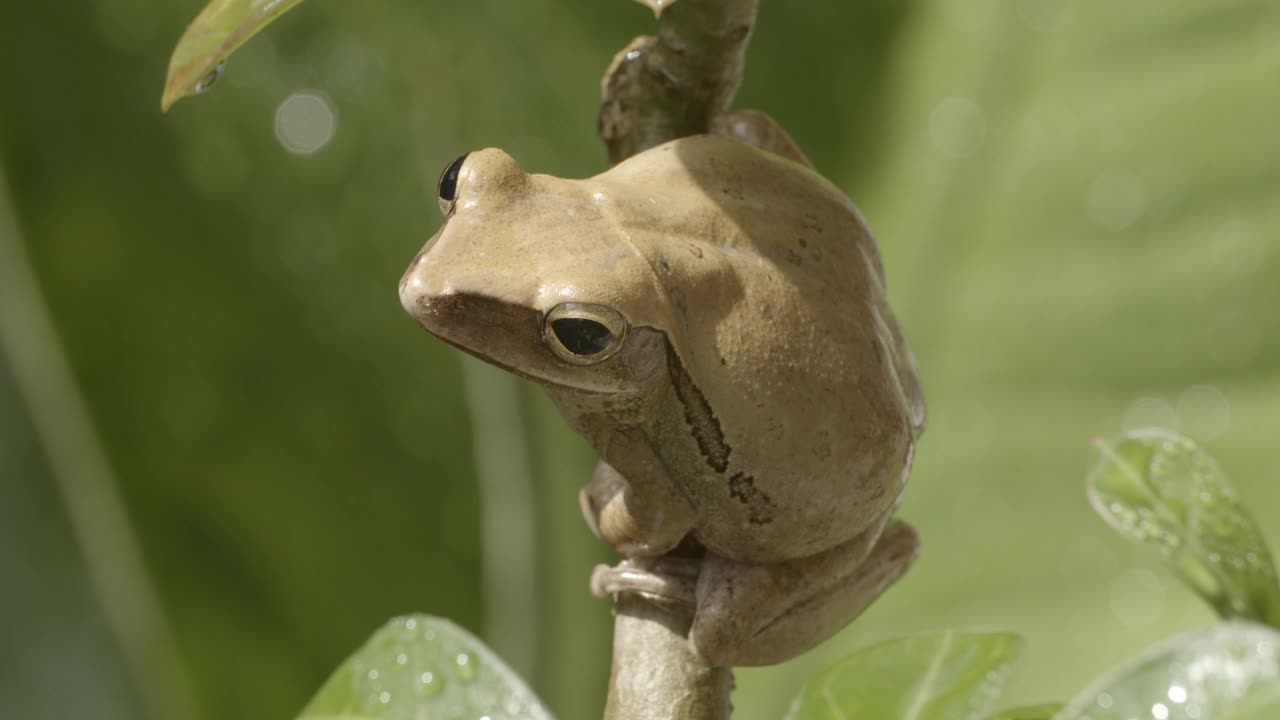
{"points": [[1029, 712], [936, 676], [1227, 672], [423, 668], [217, 31], [1158, 487]]}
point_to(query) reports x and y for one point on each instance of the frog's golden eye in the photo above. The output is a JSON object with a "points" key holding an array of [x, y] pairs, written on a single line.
{"points": [[584, 333], [447, 188]]}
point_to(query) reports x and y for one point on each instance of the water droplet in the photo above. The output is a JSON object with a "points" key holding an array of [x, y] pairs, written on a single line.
{"points": [[1177, 694], [410, 624], [1159, 711], [384, 697], [1104, 700], [466, 667], [207, 81], [373, 674], [401, 659], [430, 684]]}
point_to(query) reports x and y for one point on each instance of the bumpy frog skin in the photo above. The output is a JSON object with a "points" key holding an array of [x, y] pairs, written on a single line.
{"points": [[712, 317]]}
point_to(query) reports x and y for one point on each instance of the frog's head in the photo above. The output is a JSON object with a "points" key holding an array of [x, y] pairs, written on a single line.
{"points": [[535, 274]]}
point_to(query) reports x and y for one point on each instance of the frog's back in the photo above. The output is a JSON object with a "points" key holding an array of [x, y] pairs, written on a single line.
{"points": [[783, 329]]}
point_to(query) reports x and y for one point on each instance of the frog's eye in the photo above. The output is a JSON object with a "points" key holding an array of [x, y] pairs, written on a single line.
{"points": [[447, 188], [584, 333]]}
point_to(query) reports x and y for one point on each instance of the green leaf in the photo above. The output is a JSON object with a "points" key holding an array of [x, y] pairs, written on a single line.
{"points": [[217, 31], [1227, 672], [937, 676], [1029, 712], [423, 668], [1158, 487]]}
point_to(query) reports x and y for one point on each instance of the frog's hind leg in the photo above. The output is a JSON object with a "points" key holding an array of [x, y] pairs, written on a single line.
{"points": [[765, 614], [759, 130]]}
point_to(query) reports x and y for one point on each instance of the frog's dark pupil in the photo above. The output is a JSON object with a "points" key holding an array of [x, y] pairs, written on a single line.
{"points": [[582, 336], [449, 180]]}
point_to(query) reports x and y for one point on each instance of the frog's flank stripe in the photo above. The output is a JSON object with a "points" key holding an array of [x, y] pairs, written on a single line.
{"points": [[742, 487], [697, 412]]}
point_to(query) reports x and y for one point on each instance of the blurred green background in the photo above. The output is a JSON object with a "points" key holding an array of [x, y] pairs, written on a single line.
{"points": [[1078, 203]]}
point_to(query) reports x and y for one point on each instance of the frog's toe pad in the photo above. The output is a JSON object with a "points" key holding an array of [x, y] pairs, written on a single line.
{"points": [[668, 583]]}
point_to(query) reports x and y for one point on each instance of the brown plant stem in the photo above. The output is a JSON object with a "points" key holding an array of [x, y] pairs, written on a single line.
{"points": [[660, 88], [655, 673], [671, 85]]}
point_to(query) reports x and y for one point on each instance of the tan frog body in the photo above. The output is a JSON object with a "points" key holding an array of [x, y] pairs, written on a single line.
{"points": [[712, 318]]}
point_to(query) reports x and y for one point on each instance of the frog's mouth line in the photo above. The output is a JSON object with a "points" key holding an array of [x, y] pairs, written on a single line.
{"points": [[469, 318], [518, 373]]}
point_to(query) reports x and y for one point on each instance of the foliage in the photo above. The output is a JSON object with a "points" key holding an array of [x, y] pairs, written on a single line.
{"points": [[1158, 487], [1227, 672], [423, 668], [937, 676], [201, 54]]}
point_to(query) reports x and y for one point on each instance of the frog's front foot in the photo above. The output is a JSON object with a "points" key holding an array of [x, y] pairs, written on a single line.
{"points": [[633, 523]]}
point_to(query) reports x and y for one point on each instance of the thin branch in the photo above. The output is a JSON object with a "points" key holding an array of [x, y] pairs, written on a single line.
{"points": [[672, 85], [659, 89], [656, 674]]}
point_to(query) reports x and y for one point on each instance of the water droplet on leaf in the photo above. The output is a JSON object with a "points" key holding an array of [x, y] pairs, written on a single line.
{"points": [[466, 667], [207, 81]]}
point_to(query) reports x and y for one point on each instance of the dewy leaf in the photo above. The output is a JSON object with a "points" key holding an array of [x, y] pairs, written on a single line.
{"points": [[1159, 487], [423, 668], [1029, 712], [221, 27], [937, 676], [1227, 672]]}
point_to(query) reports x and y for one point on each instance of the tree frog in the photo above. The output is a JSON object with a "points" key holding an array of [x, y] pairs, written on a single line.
{"points": [[711, 316]]}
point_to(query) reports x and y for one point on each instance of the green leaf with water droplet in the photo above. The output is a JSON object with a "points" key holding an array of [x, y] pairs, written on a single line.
{"points": [[1029, 712], [217, 31], [1227, 672], [423, 668], [936, 676], [1158, 487]]}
